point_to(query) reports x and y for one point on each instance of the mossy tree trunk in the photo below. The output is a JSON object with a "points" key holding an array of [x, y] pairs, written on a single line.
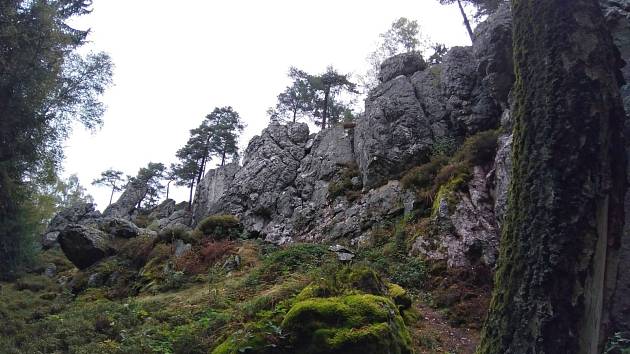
{"points": [[565, 214]]}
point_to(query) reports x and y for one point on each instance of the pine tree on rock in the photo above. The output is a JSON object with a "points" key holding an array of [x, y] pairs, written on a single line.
{"points": [[225, 127], [565, 213], [329, 85], [110, 178], [297, 100]]}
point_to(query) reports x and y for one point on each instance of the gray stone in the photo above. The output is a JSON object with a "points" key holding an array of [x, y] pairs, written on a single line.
{"points": [[465, 233], [128, 201], [95, 280], [402, 64], [164, 210], [211, 188], [493, 50], [117, 227], [84, 245], [502, 173], [50, 270], [78, 213], [263, 187], [181, 248], [394, 134]]}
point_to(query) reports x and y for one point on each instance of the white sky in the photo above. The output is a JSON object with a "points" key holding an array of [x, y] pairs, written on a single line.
{"points": [[176, 61]]}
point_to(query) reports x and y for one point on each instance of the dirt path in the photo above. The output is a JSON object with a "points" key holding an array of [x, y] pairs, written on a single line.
{"points": [[433, 334]]}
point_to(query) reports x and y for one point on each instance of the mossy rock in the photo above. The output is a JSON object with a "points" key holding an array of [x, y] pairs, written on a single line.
{"points": [[220, 227], [361, 323], [399, 295]]}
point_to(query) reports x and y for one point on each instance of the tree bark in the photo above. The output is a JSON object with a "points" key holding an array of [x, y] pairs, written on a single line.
{"points": [[168, 187], [111, 196], [190, 195], [565, 208], [466, 22]]}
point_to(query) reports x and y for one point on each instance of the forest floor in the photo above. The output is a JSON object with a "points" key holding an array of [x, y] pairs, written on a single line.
{"points": [[193, 311]]}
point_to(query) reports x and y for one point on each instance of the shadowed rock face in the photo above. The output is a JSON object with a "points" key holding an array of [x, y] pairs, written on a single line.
{"points": [[84, 245], [128, 201], [80, 213], [211, 188]]}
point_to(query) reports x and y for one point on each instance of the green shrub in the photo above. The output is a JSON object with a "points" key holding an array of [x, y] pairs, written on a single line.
{"points": [[220, 227], [478, 149], [422, 177], [169, 235], [291, 259]]}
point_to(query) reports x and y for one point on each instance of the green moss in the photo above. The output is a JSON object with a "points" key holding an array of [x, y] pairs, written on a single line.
{"points": [[399, 295], [447, 192], [221, 227], [348, 324]]}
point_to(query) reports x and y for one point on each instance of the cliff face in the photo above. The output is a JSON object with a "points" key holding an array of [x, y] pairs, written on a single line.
{"points": [[342, 182]]}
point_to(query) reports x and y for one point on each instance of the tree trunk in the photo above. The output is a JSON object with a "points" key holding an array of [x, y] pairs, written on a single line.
{"points": [[223, 156], [325, 114], [294, 114], [190, 195], [466, 22], [111, 196], [168, 187], [565, 209]]}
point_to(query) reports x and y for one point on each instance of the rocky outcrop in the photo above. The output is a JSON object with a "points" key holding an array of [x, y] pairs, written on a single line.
{"points": [[402, 64], [128, 201], [211, 188], [117, 227], [263, 188], [394, 133], [79, 213], [84, 245]]}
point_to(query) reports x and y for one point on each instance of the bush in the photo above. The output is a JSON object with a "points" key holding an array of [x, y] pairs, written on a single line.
{"points": [[293, 258], [138, 250], [422, 177], [220, 227], [168, 235], [478, 149]]}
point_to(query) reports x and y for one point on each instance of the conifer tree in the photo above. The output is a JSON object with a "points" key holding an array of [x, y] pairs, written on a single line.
{"points": [[110, 178]]}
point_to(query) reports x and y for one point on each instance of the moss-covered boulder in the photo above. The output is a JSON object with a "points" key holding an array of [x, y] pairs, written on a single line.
{"points": [[361, 323]]}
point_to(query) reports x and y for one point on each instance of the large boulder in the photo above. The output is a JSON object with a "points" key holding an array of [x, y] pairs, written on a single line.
{"points": [[402, 64], [211, 188], [78, 213], [117, 227], [84, 245], [128, 201], [394, 133]]}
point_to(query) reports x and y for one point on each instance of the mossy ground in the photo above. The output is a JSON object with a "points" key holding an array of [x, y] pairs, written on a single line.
{"points": [[265, 305]]}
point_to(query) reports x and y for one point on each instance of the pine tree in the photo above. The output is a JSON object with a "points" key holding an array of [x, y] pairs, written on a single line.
{"points": [[110, 178]]}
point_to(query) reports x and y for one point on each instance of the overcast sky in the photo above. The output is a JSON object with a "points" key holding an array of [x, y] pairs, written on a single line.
{"points": [[177, 60]]}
